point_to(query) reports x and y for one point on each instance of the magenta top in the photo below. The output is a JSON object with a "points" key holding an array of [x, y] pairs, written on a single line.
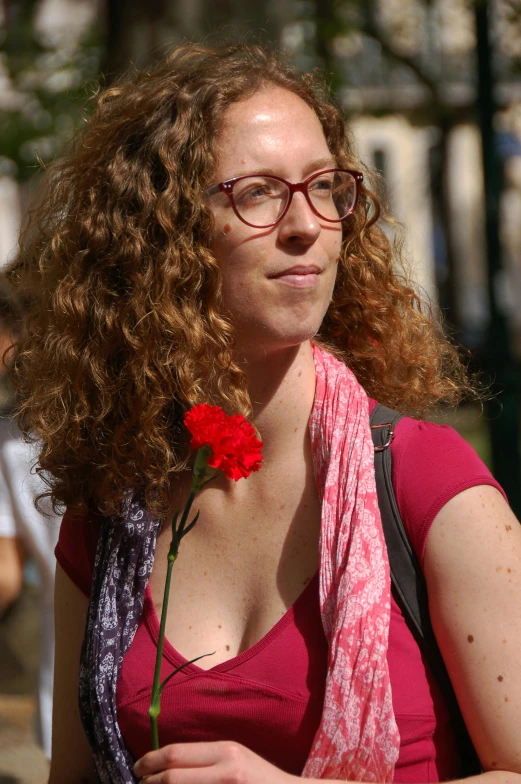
{"points": [[269, 697]]}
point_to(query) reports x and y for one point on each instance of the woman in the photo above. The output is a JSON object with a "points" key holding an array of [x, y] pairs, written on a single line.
{"points": [[209, 239]]}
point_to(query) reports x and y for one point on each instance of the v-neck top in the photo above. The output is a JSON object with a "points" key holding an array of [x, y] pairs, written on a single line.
{"points": [[270, 697]]}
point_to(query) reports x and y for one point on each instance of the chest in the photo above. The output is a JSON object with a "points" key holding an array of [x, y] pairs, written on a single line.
{"points": [[240, 568]]}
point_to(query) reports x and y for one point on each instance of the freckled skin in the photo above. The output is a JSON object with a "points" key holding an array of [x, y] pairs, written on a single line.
{"points": [[278, 131]]}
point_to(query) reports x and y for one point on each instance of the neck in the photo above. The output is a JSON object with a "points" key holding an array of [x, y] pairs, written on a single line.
{"points": [[282, 390]]}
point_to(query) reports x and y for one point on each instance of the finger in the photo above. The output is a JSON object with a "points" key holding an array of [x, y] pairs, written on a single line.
{"points": [[180, 755], [183, 776]]}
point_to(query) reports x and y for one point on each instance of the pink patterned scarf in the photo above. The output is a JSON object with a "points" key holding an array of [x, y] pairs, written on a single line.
{"points": [[357, 739]]}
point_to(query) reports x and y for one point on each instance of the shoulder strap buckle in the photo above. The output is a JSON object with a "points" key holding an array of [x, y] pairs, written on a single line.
{"points": [[390, 435]]}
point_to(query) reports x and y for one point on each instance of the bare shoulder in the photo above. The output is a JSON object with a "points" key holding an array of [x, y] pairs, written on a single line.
{"points": [[473, 572], [71, 754]]}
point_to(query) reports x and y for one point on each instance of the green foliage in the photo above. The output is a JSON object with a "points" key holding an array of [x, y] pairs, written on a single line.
{"points": [[367, 44], [47, 86]]}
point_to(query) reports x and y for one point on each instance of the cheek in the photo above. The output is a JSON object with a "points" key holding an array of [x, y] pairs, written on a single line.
{"points": [[226, 240], [336, 242], [239, 278]]}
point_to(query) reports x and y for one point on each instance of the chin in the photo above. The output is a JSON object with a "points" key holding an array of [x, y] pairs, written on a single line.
{"points": [[288, 338], [277, 330]]}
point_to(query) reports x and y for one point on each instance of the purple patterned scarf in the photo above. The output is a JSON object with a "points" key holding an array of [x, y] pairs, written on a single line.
{"points": [[124, 560]]}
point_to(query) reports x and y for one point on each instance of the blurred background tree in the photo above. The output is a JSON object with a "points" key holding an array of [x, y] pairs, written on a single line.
{"points": [[47, 66], [138, 31]]}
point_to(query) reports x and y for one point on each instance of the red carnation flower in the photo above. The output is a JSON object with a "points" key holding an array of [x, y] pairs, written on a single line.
{"points": [[235, 448]]}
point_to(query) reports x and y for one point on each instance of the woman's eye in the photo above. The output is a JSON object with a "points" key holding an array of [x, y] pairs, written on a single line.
{"points": [[322, 187], [255, 193]]}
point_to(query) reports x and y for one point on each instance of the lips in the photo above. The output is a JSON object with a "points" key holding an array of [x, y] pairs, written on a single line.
{"points": [[299, 277], [299, 269]]}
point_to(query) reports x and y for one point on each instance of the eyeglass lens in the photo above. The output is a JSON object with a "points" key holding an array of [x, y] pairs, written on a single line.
{"points": [[260, 200]]}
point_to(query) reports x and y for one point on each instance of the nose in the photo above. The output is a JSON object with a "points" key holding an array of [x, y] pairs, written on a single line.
{"points": [[299, 224]]}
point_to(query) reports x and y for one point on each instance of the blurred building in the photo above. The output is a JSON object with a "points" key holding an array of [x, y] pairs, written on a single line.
{"points": [[399, 151]]}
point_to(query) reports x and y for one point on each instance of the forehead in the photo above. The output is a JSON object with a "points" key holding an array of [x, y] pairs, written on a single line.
{"points": [[271, 127]]}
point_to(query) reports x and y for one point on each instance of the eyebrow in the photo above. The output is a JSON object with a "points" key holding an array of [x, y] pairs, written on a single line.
{"points": [[319, 163]]}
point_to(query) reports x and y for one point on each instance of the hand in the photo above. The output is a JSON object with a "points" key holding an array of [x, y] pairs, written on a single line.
{"points": [[220, 762]]}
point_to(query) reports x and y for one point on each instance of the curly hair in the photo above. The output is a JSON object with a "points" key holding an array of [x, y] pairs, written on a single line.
{"points": [[125, 329]]}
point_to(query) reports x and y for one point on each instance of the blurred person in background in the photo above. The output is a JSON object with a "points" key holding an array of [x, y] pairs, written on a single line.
{"points": [[25, 532], [11, 548]]}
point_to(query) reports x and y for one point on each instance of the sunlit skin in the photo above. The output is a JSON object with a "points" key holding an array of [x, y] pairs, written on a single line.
{"points": [[274, 132]]}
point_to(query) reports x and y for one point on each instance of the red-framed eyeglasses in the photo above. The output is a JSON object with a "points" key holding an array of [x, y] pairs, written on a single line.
{"points": [[262, 200]]}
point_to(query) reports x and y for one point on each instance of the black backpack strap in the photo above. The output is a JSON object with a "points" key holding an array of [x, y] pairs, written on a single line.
{"points": [[407, 580]]}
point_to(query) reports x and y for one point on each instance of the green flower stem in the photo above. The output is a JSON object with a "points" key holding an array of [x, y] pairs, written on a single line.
{"points": [[155, 703], [178, 535]]}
